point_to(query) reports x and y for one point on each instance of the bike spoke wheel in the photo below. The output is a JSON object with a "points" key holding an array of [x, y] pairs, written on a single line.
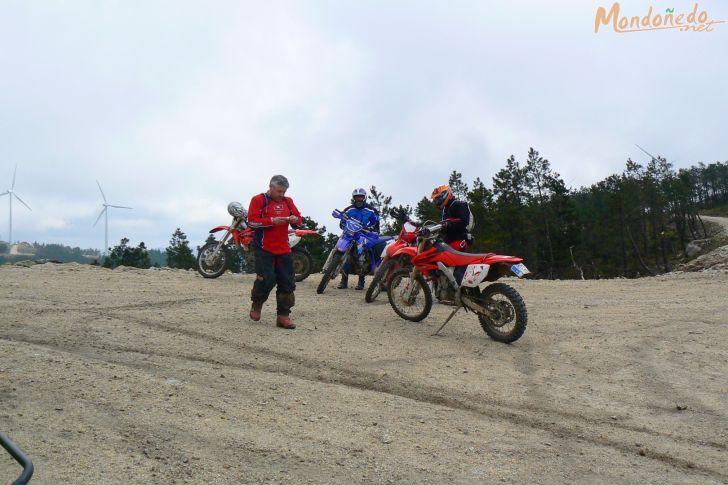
{"points": [[211, 264], [333, 264], [507, 316], [410, 298], [377, 284], [302, 263]]}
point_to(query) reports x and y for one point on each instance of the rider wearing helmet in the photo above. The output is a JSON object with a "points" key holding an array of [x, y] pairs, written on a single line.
{"points": [[369, 218], [456, 218]]}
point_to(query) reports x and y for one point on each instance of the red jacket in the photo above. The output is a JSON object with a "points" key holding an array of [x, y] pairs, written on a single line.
{"points": [[262, 209]]}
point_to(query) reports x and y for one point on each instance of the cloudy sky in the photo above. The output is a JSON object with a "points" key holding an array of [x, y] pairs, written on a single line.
{"points": [[178, 107]]}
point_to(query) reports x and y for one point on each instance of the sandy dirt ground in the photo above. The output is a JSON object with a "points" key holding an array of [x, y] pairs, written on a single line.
{"points": [[140, 376]]}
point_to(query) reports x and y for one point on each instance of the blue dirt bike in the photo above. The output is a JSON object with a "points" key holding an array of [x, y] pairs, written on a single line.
{"points": [[357, 246]]}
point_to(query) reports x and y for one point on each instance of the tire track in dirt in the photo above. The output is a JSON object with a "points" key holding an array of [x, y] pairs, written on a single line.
{"points": [[653, 380], [266, 352], [479, 405], [63, 305], [357, 379]]}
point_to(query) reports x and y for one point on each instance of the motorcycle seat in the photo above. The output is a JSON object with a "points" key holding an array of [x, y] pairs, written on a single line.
{"points": [[446, 247]]}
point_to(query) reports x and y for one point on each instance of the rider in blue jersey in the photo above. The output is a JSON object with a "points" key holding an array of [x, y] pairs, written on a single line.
{"points": [[369, 217]]}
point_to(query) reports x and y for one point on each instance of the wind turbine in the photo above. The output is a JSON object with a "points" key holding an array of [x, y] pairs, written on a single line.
{"points": [[105, 212], [648, 153], [10, 195]]}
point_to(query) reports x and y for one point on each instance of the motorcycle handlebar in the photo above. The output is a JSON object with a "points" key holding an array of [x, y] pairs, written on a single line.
{"points": [[430, 230], [343, 215]]}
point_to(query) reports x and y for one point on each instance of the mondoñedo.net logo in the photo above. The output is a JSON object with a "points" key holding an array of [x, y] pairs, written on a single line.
{"points": [[696, 20]]}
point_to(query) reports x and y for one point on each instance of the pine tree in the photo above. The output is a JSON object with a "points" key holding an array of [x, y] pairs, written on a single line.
{"points": [[426, 211], [459, 188], [179, 254], [124, 255], [480, 201], [382, 204]]}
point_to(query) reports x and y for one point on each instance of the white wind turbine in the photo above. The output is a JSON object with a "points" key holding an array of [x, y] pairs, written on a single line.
{"points": [[10, 195], [105, 212]]}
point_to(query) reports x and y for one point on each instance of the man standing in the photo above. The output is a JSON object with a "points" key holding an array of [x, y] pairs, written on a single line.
{"points": [[270, 214]]}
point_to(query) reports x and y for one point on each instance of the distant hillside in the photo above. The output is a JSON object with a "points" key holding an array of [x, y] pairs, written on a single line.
{"points": [[65, 254], [10, 253]]}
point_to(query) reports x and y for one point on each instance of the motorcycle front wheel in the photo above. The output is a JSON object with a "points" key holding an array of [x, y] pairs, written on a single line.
{"points": [[375, 287], [329, 270], [410, 298], [302, 263], [211, 264], [507, 318]]}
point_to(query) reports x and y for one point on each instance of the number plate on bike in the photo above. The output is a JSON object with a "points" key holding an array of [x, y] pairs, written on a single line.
{"points": [[520, 270]]}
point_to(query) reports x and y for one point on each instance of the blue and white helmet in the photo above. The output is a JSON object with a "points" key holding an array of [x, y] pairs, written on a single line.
{"points": [[359, 192]]}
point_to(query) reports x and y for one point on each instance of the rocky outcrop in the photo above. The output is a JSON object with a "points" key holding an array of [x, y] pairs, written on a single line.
{"points": [[714, 260]]}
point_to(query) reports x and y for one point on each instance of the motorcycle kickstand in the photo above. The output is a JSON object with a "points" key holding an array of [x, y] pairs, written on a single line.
{"points": [[448, 319]]}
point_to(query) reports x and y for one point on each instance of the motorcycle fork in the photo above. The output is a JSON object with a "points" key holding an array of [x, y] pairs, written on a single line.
{"points": [[415, 272], [407, 293], [221, 244]]}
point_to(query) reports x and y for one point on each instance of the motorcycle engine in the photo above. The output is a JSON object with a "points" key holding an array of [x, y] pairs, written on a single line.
{"points": [[444, 292]]}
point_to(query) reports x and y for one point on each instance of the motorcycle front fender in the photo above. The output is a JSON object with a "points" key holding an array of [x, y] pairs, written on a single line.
{"points": [[343, 244], [219, 228]]}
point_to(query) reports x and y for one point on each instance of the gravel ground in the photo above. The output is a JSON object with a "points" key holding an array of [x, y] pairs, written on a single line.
{"points": [[140, 376]]}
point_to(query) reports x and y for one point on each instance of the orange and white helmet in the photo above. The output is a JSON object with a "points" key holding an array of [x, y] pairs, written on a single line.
{"points": [[442, 195]]}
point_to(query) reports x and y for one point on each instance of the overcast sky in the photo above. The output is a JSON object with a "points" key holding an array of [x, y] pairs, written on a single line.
{"points": [[179, 107]]}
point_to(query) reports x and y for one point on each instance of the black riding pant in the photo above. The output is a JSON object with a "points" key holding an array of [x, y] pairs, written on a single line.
{"points": [[271, 270]]}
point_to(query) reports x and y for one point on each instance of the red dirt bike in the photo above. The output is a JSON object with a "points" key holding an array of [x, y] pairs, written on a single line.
{"points": [[393, 259], [214, 257], [456, 278]]}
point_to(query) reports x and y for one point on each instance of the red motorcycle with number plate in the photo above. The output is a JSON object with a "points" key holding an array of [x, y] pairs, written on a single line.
{"points": [[456, 278]]}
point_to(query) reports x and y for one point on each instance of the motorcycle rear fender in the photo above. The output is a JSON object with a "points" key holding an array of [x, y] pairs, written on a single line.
{"points": [[293, 239], [498, 270], [303, 232], [493, 259]]}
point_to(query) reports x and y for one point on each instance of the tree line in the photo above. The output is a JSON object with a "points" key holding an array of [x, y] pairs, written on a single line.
{"points": [[638, 222], [635, 223]]}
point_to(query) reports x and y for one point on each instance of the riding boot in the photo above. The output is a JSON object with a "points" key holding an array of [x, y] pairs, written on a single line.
{"points": [[255, 310], [344, 282], [284, 302], [360, 283]]}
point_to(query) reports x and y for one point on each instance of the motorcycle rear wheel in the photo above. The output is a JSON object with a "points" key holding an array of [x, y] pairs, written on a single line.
{"points": [[210, 265], [302, 263], [329, 270], [509, 319], [419, 303]]}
